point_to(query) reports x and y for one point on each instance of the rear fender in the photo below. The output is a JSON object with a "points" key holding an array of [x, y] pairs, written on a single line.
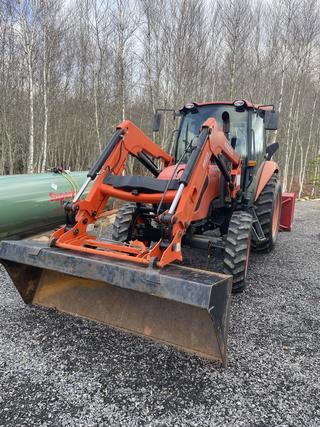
{"points": [[265, 172]]}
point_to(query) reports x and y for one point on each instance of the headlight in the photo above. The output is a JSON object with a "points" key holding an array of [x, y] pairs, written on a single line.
{"points": [[238, 103]]}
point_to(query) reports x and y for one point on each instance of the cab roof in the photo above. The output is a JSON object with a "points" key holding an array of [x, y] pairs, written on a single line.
{"points": [[247, 103]]}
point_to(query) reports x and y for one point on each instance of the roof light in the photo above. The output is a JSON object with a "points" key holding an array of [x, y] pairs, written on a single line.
{"points": [[238, 103], [189, 106]]}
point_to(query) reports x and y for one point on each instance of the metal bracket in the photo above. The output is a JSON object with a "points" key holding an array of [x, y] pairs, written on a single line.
{"points": [[257, 232], [34, 251]]}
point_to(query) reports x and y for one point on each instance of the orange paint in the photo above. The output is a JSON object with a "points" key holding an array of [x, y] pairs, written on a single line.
{"points": [[133, 142], [265, 172]]}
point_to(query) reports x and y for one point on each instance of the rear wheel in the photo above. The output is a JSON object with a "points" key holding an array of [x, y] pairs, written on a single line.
{"points": [[237, 249], [268, 210], [124, 223]]}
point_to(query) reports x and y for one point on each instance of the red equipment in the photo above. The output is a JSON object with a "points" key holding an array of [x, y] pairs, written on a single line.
{"points": [[287, 211]]}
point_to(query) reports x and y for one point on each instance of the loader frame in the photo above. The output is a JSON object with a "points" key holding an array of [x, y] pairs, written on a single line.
{"points": [[174, 222]]}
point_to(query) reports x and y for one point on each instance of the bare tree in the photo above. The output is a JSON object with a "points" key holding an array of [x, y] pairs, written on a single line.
{"points": [[70, 71], [236, 19], [29, 13]]}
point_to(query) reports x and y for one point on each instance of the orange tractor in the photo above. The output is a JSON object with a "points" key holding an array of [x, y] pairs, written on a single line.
{"points": [[220, 178]]}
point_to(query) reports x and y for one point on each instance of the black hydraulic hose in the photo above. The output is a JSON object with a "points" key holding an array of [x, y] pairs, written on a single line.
{"points": [[192, 162], [105, 154], [148, 163], [223, 169], [195, 157]]}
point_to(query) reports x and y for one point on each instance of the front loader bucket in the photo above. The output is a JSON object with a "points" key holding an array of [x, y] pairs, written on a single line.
{"points": [[180, 306]]}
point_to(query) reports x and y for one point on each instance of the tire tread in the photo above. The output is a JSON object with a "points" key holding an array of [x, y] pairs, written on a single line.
{"points": [[236, 247]]}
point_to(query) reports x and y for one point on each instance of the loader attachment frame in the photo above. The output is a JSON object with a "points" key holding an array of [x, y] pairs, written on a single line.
{"points": [[179, 306], [183, 201]]}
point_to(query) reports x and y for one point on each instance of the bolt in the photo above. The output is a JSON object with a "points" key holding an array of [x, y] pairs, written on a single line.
{"points": [[53, 243], [85, 221], [76, 231]]}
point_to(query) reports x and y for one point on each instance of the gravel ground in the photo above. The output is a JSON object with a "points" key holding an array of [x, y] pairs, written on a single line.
{"points": [[56, 370]]}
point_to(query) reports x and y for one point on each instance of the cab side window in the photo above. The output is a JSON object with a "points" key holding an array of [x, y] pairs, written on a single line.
{"points": [[258, 148], [238, 133]]}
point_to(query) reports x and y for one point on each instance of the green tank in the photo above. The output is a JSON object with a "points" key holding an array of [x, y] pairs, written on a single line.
{"points": [[32, 203]]}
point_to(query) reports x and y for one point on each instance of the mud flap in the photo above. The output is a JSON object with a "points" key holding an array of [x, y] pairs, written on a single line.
{"points": [[180, 306]]}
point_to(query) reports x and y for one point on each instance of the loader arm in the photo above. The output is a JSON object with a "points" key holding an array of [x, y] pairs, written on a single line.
{"points": [[128, 139], [212, 144]]}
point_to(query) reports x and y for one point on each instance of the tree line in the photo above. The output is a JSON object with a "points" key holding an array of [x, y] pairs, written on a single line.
{"points": [[71, 70]]}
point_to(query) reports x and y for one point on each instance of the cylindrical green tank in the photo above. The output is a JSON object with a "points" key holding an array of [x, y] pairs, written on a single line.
{"points": [[31, 203]]}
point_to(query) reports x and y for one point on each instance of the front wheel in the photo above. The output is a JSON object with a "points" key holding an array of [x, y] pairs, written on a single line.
{"points": [[237, 249], [124, 224]]}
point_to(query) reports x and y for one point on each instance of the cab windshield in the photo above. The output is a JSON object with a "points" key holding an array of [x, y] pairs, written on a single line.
{"points": [[192, 121]]}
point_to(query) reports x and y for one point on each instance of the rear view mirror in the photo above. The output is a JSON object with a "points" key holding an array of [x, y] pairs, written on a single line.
{"points": [[271, 119], [233, 142], [226, 122], [156, 122], [271, 149]]}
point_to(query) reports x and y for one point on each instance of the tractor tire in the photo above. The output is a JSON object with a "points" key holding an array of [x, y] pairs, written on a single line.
{"points": [[268, 210], [124, 222], [237, 249]]}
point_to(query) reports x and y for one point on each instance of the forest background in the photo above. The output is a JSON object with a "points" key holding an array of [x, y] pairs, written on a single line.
{"points": [[71, 70]]}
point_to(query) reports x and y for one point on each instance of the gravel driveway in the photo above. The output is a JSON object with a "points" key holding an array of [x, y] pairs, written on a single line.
{"points": [[56, 370]]}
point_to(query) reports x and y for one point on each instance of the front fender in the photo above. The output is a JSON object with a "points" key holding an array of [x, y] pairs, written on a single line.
{"points": [[265, 172]]}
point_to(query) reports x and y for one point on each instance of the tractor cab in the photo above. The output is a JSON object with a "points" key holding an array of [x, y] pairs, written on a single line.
{"points": [[243, 123]]}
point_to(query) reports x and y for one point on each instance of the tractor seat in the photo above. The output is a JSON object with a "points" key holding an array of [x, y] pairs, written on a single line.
{"points": [[140, 184]]}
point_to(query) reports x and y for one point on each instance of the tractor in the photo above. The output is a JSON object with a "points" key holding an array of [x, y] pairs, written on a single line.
{"points": [[219, 188]]}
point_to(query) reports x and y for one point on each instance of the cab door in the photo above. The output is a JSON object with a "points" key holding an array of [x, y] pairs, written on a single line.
{"points": [[258, 144]]}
